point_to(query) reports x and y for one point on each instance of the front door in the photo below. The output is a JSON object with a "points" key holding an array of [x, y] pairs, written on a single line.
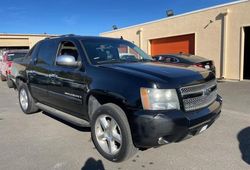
{"points": [[67, 84]]}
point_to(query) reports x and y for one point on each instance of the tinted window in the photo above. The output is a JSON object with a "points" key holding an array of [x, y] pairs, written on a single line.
{"points": [[46, 52], [29, 55], [168, 59], [13, 56]]}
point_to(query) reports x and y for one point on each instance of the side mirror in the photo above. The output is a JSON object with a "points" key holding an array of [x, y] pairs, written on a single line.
{"points": [[67, 60]]}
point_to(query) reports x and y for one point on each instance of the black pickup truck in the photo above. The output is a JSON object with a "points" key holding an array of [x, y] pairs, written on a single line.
{"points": [[129, 100]]}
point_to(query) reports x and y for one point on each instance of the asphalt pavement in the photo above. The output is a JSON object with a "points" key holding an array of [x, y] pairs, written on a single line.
{"points": [[40, 141]]}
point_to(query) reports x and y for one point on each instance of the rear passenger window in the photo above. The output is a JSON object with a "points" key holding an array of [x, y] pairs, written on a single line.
{"points": [[46, 52], [174, 60], [29, 55], [168, 59]]}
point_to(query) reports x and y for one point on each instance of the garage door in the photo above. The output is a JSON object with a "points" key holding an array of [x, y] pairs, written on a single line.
{"points": [[177, 44]]}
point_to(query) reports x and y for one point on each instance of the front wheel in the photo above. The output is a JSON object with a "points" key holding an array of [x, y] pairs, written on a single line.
{"points": [[111, 133]]}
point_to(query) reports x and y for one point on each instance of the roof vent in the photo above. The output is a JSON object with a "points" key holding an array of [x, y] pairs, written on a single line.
{"points": [[170, 13]]}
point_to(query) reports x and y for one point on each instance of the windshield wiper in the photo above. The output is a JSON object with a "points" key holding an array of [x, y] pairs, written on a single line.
{"points": [[110, 61], [145, 60], [124, 61]]}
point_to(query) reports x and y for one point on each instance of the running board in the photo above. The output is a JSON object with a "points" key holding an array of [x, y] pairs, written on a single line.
{"points": [[65, 116]]}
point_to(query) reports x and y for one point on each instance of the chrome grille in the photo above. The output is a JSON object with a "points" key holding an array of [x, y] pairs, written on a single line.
{"points": [[199, 96]]}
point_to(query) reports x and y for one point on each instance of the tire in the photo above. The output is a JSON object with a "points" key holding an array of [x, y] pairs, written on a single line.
{"points": [[10, 83], [3, 78], [26, 101], [118, 135]]}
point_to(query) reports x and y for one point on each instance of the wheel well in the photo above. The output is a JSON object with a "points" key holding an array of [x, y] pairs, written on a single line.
{"points": [[18, 79], [92, 104], [95, 101]]}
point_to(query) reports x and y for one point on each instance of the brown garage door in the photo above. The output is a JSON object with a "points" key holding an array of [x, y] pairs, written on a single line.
{"points": [[177, 44]]}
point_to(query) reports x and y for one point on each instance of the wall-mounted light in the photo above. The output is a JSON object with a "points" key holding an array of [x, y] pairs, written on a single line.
{"points": [[114, 27], [170, 13]]}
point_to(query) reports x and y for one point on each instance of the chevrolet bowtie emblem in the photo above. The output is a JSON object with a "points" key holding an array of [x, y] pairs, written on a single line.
{"points": [[206, 92]]}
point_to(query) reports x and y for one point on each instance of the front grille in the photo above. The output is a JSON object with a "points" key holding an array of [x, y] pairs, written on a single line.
{"points": [[199, 96]]}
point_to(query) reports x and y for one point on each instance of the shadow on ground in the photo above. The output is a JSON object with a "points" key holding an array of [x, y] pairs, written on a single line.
{"points": [[92, 164], [82, 129], [244, 144]]}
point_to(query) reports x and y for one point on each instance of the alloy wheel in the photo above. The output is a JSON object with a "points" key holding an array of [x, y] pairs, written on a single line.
{"points": [[108, 134], [24, 99]]}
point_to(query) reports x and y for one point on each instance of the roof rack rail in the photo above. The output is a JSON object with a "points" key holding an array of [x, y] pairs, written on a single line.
{"points": [[67, 35], [51, 36]]}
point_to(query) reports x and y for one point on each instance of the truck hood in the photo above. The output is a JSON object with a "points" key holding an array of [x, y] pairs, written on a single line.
{"points": [[167, 73]]}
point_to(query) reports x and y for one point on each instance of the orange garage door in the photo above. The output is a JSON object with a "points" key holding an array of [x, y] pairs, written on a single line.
{"points": [[177, 44]]}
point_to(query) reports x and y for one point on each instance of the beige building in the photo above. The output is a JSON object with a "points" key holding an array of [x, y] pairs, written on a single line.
{"points": [[221, 33], [20, 41]]}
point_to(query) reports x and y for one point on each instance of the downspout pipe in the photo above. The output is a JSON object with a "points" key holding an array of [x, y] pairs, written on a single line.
{"points": [[139, 33], [223, 17]]}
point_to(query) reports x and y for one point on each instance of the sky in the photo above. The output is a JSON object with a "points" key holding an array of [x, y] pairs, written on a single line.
{"points": [[86, 17]]}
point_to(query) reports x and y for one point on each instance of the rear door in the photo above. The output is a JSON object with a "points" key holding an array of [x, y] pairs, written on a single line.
{"points": [[67, 84], [38, 71]]}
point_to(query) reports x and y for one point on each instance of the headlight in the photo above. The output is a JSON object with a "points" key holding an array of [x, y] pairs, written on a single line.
{"points": [[159, 99]]}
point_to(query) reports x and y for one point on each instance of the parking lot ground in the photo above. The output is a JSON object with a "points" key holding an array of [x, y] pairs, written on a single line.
{"points": [[39, 141]]}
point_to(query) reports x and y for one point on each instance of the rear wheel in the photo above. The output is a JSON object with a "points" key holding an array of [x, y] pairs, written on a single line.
{"points": [[26, 101], [111, 133], [10, 82]]}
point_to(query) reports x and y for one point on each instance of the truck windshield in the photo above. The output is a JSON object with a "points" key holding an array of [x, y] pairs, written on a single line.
{"points": [[111, 51]]}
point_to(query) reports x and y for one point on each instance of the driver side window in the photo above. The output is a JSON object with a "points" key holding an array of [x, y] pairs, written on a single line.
{"points": [[69, 48]]}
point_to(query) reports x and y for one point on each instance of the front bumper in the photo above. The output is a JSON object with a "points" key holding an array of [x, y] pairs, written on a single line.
{"points": [[153, 128]]}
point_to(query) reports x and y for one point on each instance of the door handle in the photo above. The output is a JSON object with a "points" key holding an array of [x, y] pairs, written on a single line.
{"points": [[32, 72], [35, 61], [53, 76]]}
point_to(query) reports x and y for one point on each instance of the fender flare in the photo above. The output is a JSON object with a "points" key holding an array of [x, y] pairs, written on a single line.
{"points": [[96, 98]]}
